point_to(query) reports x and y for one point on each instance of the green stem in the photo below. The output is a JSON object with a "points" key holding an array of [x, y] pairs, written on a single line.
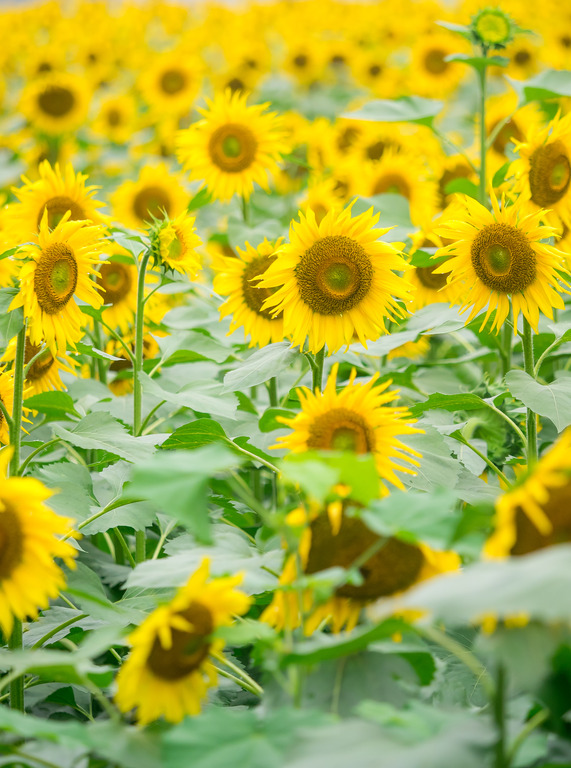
{"points": [[484, 458], [17, 685], [506, 347], [500, 718], [125, 547], [531, 420], [318, 370], [110, 507], [57, 629], [546, 353], [483, 147], [244, 676], [16, 426], [140, 546], [6, 415], [245, 211], [101, 368], [534, 722], [273, 391], [34, 453]]}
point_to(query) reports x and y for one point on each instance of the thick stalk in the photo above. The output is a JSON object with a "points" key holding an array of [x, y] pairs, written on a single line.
{"points": [[101, 365], [17, 685], [483, 147], [318, 370], [500, 718], [16, 425], [506, 342], [531, 420]]}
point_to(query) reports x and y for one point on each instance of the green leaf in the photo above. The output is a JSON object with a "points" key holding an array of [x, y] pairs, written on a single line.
{"points": [[394, 210], [55, 405], [73, 490], [437, 467], [218, 403], [426, 258], [463, 186], [263, 365], [11, 321], [479, 63], [101, 431], [246, 632], [201, 199], [9, 252], [500, 175], [195, 434], [317, 472], [412, 109], [85, 349], [269, 419], [461, 29], [460, 402], [549, 84], [550, 400]]}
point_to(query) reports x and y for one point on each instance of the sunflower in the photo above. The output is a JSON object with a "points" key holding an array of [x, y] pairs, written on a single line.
{"points": [[543, 169], [335, 279], [58, 269], [430, 74], [155, 193], [320, 197], [117, 283], [334, 538], [116, 118], [29, 543], [171, 82], [357, 419], [168, 671], [537, 512], [233, 147], [55, 192], [236, 278], [44, 374], [517, 123], [497, 254], [428, 286], [122, 384], [56, 103], [174, 245], [449, 169], [411, 350]]}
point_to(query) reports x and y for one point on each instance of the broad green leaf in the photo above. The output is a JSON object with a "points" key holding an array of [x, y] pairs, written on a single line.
{"points": [[55, 405], [269, 419], [461, 402], [437, 467], [436, 318], [195, 434], [550, 400], [479, 63], [263, 365], [201, 199], [549, 84], [11, 321], [311, 473], [217, 403], [425, 258], [464, 187], [99, 354], [9, 252], [412, 109], [73, 489], [500, 175]]}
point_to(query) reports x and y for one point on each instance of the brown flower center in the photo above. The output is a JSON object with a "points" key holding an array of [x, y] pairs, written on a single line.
{"points": [[375, 151], [459, 171], [233, 147], [42, 365], [392, 184], [430, 280], [151, 202], [115, 279], [503, 259], [57, 207], [434, 61], [509, 131], [558, 509], [334, 275], [254, 297], [173, 81], [188, 649], [55, 278], [549, 174], [341, 429], [11, 541], [393, 568], [114, 117], [301, 60], [56, 101]]}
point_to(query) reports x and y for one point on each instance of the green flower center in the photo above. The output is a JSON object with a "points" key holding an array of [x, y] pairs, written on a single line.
{"points": [[499, 259]]}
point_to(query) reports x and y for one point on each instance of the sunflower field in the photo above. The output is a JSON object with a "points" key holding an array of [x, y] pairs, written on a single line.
{"points": [[285, 384]]}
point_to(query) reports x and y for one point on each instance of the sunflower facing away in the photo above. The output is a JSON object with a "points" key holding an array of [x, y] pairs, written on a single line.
{"points": [[233, 147], [336, 279], [236, 278], [54, 192], [543, 169], [174, 244], [357, 419], [332, 537], [168, 671], [497, 254], [537, 512], [155, 193], [29, 542], [58, 269]]}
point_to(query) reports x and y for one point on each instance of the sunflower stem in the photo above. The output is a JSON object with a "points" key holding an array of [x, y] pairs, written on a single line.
{"points": [[245, 210], [318, 369], [17, 685], [16, 425], [101, 368], [500, 718], [534, 722], [273, 391], [531, 420], [506, 347], [483, 148]]}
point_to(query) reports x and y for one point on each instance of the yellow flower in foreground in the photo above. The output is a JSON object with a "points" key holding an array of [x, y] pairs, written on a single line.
{"points": [[168, 671], [536, 513], [332, 538], [236, 278], [233, 147], [357, 419], [29, 542], [57, 271], [175, 245], [498, 254], [336, 279]]}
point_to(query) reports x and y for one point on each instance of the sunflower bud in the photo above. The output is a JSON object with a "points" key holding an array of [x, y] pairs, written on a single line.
{"points": [[492, 28]]}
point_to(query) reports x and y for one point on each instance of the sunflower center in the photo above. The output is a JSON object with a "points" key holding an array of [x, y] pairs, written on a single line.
{"points": [[57, 207], [42, 365], [558, 510], [233, 147], [11, 541], [347, 138], [459, 171], [114, 117], [55, 278], [300, 60], [334, 275], [173, 81], [235, 84], [341, 429], [151, 202], [254, 297], [434, 61], [393, 568], [375, 70], [188, 648], [56, 101], [503, 258], [393, 184], [549, 174], [375, 151], [522, 57], [509, 131], [430, 280], [115, 279]]}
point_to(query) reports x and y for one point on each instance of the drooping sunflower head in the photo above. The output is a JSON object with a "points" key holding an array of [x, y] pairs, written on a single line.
{"points": [[499, 255], [238, 278], [543, 170], [168, 671], [358, 419], [56, 103], [233, 146], [336, 279], [174, 244], [58, 269], [537, 512], [156, 193], [29, 543]]}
